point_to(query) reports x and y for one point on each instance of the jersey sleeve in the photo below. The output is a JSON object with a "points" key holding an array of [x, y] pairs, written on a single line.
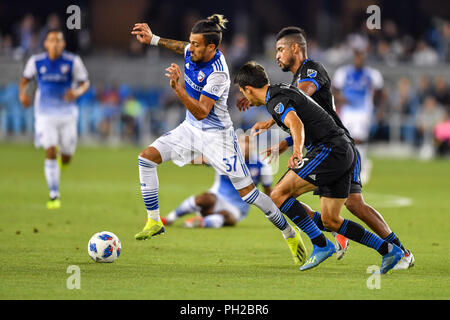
{"points": [[377, 79], [216, 84], [79, 71], [186, 49], [279, 108], [339, 78], [314, 73], [30, 68]]}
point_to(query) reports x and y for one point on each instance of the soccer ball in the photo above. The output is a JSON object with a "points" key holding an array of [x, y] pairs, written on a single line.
{"points": [[104, 247]]}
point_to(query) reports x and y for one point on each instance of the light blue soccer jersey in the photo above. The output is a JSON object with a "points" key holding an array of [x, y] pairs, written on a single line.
{"points": [[211, 79], [357, 86], [261, 172], [54, 78]]}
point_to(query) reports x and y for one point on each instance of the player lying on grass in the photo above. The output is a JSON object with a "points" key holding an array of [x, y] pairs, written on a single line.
{"points": [[311, 77], [328, 165], [222, 205], [56, 113], [207, 130]]}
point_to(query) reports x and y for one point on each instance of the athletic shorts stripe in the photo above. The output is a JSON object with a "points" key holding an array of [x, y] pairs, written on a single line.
{"points": [[313, 164]]}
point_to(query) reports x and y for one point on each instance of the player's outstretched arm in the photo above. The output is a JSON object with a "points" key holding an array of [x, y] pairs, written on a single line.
{"points": [[145, 35]]}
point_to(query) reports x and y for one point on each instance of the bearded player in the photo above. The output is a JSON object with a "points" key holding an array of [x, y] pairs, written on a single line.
{"points": [[311, 77]]}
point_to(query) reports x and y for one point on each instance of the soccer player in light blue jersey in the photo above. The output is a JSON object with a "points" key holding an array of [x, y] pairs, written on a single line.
{"points": [[61, 78], [207, 130], [222, 205], [357, 84]]}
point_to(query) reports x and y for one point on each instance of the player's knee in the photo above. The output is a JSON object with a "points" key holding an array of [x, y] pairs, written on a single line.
{"points": [[355, 205], [51, 153], [278, 196], [331, 222], [151, 154]]}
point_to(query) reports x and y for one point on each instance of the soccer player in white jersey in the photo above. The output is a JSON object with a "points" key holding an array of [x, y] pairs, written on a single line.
{"points": [[61, 78], [207, 130], [357, 84], [222, 205]]}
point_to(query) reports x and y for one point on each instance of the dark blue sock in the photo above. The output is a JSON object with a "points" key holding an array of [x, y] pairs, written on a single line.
{"points": [[295, 211], [357, 233], [318, 221], [392, 238]]}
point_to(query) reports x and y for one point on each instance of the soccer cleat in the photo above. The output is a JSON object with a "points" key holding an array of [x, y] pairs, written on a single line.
{"points": [[169, 219], [406, 262], [152, 228], [341, 245], [53, 204], [195, 222], [391, 259], [319, 255], [297, 248]]}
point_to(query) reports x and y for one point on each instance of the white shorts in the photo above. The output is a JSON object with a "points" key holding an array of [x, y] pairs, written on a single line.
{"points": [[56, 131], [223, 205], [357, 123], [220, 147]]}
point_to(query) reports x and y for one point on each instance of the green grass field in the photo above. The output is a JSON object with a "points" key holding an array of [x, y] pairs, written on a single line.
{"points": [[100, 191]]}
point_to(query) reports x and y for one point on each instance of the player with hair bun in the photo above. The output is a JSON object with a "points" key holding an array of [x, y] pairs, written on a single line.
{"points": [[207, 130]]}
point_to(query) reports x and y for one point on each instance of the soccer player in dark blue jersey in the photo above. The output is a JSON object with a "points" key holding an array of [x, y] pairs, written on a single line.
{"points": [[328, 165]]}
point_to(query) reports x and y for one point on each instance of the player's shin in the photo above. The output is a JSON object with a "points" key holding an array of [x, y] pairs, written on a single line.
{"points": [[266, 205], [52, 175], [149, 187], [297, 213], [358, 233]]}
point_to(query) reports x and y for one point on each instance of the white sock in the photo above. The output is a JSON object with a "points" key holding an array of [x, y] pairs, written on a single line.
{"points": [[215, 220], [149, 187], [52, 175], [266, 205]]}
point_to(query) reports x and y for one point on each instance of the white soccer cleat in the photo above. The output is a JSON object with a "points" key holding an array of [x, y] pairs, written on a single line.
{"points": [[406, 262], [341, 245]]}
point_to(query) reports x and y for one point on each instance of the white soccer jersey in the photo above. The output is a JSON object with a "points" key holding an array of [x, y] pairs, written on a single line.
{"points": [[54, 78], [358, 86], [211, 79]]}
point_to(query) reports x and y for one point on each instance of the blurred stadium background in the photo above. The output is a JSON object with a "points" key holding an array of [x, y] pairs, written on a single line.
{"points": [[130, 100]]}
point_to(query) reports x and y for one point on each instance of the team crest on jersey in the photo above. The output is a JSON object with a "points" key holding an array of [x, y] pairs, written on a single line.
{"points": [[311, 73], [64, 68], [187, 65], [279, 108], [201, 76], [42, 69]]}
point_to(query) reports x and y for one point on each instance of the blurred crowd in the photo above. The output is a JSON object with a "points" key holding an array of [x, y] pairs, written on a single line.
{"points": [[413, 111], [387, 45]]}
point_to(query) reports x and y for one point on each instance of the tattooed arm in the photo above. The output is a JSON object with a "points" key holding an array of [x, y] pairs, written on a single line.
{"points": [[144, 35]]}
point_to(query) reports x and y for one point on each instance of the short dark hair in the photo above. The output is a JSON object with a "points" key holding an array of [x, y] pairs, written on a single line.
{"points": [[211, 29], [294, 34], [54, 30], [251, 74]]}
